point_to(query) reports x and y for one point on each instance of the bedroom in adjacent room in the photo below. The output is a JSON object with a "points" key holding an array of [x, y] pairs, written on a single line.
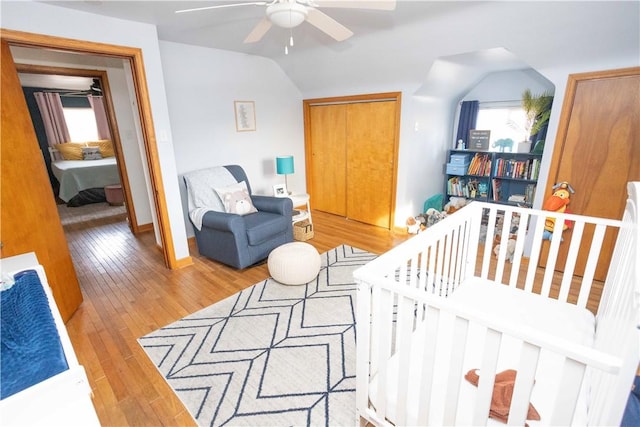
{"points": [[70, 117]]}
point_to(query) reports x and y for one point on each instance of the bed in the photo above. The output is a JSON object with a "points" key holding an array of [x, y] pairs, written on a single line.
{"points": [[450, 332], [79, 175], [42, 381]]}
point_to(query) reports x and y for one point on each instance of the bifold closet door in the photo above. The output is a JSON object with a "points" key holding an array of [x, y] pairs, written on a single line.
{"points": [[328, 156], [371, 129], [352, 168]]}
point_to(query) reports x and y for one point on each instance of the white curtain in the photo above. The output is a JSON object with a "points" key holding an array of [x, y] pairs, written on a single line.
{"points": [[97, 103]]}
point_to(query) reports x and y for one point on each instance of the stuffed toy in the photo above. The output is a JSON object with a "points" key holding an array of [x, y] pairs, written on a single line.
{"points": [[454, 204], [511, 247], [417, 224], [413, 226], [238, 202], [557, 202], [433, 216]]}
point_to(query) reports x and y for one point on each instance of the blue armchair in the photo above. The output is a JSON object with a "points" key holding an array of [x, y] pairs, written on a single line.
{"points": [[234, 239]]}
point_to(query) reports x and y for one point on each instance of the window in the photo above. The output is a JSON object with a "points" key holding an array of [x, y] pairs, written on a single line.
{"points": [[81, 123], [504, 121]]}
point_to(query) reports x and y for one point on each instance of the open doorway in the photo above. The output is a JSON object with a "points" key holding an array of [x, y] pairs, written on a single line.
{"points": [[86, 184], [145, 141]]}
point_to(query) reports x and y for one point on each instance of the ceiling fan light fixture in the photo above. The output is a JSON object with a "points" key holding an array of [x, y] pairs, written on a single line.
{"points": [[287, 14]]}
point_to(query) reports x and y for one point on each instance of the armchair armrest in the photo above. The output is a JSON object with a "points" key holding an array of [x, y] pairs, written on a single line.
{"points": [[222, 221], [279, 205]]}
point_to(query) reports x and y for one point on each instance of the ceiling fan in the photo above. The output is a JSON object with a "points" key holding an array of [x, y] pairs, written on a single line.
{"points": [[291, 13]]}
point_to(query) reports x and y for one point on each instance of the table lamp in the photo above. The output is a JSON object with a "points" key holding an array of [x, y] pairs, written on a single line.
{"points": [[284, 166]]}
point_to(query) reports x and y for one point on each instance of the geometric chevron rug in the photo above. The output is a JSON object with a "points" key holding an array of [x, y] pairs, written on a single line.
{"points": [[271, 355]]}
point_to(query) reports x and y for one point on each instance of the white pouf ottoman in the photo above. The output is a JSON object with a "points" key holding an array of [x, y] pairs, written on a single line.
{"points": [[295, 263]]}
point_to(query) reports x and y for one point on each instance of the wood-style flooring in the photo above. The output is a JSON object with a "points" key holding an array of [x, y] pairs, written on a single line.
{"points": [[129, 293]]}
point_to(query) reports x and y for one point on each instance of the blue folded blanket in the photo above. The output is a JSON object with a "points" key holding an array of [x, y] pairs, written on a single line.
{"points": [[30, 346]]}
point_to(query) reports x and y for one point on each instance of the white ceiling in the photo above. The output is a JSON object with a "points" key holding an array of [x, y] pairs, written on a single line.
{"points": [[392, 49]]}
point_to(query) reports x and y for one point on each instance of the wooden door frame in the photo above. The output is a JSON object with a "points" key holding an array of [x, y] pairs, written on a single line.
{"points": [[111, 118], [134, 56], [350, 99]]}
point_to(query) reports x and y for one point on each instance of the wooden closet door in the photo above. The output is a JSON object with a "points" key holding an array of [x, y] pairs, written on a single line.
{"points": [[597, 149], [30, 221], [327, 130], [371, 130]]}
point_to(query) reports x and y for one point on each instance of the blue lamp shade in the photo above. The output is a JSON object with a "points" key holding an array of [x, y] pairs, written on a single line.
{"points": [[284, 165]]}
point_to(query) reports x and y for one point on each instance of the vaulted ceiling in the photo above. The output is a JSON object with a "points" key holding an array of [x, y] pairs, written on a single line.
{"points": [[399, 47]]}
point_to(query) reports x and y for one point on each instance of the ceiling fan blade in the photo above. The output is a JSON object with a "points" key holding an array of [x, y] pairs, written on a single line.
{"points": [[357, 4], [327, 24], [258, 31], [221, 6]]}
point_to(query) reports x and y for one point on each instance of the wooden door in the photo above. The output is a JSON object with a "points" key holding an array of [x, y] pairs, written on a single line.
{"points": [[328, 173], [30, 221], [351, 147], [371, 130], [597, 149]]}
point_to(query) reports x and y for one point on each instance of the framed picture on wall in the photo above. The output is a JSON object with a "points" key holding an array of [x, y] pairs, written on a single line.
{"points": [[245, 116]]}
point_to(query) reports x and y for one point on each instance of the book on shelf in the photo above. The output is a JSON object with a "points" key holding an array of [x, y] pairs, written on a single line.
{"points": [[480, 165], [496, 189], [517, 169]]}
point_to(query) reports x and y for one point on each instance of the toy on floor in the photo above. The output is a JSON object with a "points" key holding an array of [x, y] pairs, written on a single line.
{"points": [[511, 247], [454, 204], [557, 202]]}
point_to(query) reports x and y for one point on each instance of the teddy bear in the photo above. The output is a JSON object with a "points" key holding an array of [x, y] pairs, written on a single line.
{"points": [[511, 246], [238, 202]]}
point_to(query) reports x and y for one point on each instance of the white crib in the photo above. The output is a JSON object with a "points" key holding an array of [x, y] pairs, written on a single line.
{"points": [[441, 304]]}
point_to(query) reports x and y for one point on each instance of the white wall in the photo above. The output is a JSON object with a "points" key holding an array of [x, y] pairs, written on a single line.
{"points": [[202, 85], [42, 18]]}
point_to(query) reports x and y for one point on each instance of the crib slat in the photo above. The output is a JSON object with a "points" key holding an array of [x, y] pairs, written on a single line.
{"points": [[487, 376], [426, 384], [592, 262], [538, 225], [363, 333], [384, 350], [568, 391], [525, 379], [488, 242], [552, 258], [461, 328], [519, 249], [572, 256], [504, 239], [403, 348]]}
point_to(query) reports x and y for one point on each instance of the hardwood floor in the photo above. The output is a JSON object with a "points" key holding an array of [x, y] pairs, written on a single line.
{"points": [[129, 293]]}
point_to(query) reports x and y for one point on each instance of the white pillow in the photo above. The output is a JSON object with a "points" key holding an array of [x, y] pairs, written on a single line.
{"points": [[91, 153], [236, 199]]}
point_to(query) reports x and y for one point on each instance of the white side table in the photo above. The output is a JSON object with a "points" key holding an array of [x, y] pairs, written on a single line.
{"points": [[301, 200]]}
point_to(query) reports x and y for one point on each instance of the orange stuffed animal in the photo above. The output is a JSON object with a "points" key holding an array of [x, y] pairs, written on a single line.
{"points": [[557, 202]]}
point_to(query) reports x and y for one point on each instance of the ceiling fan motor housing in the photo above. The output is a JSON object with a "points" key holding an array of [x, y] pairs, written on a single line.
{"points": [[287, 14]]}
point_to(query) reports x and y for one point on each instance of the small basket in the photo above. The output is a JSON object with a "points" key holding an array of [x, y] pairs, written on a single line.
{"points": [[303, 230]]}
